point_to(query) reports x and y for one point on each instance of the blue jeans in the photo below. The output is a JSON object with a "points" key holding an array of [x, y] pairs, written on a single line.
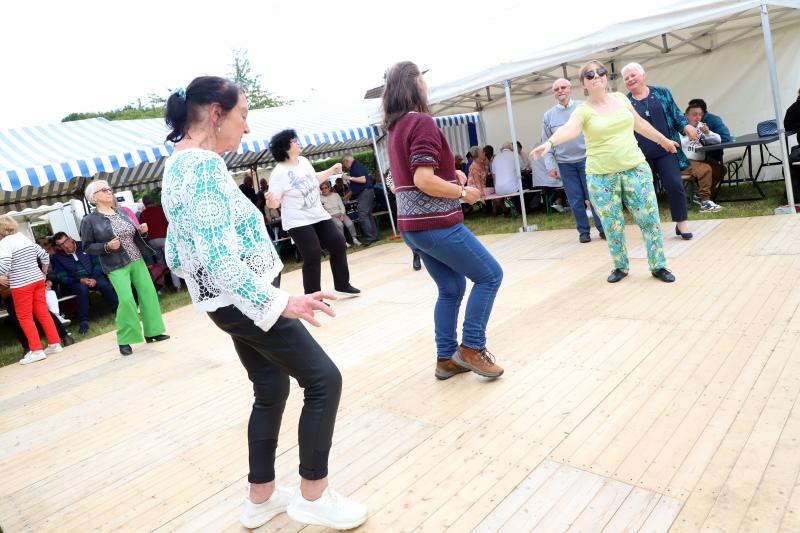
{"points": [[573, 175], [451, 255]]}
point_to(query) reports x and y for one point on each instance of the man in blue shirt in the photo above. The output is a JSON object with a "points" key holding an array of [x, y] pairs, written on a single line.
{"points": [[362, 187]]}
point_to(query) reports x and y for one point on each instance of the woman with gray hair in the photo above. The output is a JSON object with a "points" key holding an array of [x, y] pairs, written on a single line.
{"points": [[109, 233], [657, 106]]}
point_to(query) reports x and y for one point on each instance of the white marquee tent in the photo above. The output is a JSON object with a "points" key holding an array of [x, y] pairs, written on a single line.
{"points": [[721, 50]]}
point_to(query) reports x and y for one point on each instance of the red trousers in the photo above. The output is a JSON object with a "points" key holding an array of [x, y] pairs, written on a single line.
{"points": [[29, 301]]}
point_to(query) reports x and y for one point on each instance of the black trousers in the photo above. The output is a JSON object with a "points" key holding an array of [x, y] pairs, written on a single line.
{"points": [[310, 240], [14, 323], [669, 172], [270, 357]]}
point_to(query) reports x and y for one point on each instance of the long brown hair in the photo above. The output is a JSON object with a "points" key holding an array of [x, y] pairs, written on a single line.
{"points": [[401, 93]]}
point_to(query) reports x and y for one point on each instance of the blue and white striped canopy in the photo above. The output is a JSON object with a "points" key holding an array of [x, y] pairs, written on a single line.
{"points": [[38, 155], [45, 164]]}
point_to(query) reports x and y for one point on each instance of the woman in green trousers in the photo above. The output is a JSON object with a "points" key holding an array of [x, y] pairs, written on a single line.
{"points": [[109, 233]]}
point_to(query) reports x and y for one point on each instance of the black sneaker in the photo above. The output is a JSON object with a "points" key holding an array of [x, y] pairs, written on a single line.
{"points": [[348, 291], [67, 340], [125, 349], [617, 275], [664, 275], [585, 237]]}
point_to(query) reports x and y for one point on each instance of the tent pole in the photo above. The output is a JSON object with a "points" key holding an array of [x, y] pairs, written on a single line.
{"points": [[776, 101], [383, 180], [507, 86]]}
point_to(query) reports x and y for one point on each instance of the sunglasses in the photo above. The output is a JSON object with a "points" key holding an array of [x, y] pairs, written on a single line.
{"points": [[592, 74]]}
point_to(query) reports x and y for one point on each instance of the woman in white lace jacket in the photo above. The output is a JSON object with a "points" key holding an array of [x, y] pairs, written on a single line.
{"points": [[218, 243]]}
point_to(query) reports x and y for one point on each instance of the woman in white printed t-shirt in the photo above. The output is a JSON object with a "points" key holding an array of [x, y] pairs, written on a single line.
{"points": [[294, 186]]}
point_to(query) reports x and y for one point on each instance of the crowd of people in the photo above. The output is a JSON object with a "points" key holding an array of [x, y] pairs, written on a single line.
{"points": [[603, 151]]}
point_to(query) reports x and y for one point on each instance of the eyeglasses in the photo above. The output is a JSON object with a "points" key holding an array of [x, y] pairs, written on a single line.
{"points": [[592, 74], [105, 189], [562, 88]]}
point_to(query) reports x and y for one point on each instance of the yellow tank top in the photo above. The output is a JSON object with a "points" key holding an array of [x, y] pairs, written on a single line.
{"points": [[610, 144]]}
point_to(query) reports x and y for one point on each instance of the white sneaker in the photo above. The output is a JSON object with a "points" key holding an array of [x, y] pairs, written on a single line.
{"points": [[32, 357], [558, 207], [330, 510], [356, 242], [53, 348], [64, 321], [257, 514]]}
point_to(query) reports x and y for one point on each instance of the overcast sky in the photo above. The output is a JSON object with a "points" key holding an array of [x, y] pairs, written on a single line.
{"points": [[96, 55]]}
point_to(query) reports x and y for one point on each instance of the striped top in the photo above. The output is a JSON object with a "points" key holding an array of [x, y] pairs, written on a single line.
{"points": [[18, 260], [414, 142]]}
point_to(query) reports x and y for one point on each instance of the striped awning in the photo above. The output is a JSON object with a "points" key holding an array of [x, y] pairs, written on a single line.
{"points": [[38, 155], [129, 153]]}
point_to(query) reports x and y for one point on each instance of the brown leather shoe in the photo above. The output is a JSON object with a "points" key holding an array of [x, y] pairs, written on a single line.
{"points": [[479, 361], [447, 369]]}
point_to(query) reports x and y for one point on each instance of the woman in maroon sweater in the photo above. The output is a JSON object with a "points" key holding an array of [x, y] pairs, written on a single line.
{"points": [[429, 194]]}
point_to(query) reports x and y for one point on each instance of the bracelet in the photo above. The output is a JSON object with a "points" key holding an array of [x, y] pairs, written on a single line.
{"points": [[552, 144]]}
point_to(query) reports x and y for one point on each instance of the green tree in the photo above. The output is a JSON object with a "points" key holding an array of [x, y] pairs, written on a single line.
{"points": [[154, 108], [250, 83]]}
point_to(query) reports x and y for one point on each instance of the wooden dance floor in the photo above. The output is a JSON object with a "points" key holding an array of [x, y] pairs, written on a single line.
{"points": [[640, 406]]}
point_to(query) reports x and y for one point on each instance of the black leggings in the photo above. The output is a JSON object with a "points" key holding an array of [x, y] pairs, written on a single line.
{"points": [[270, 357], [309, 241], [669, 171]]}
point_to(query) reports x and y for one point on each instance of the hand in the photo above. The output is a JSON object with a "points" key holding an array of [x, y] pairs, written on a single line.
{"points": [[336, 169], [91, 283], [143, 228], [704, 128], [691, 132], [84, 281], [669, 145], [554, 173], [473, 195], [540, 150], [113, 244], [462, 178], [272, 201], [303, 307], [4, 281]]}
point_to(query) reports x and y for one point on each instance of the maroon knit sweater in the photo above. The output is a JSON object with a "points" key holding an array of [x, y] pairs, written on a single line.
{"points": [[415, 141]]}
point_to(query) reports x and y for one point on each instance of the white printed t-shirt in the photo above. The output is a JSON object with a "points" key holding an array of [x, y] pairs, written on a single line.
{"points": [[297, 188]]}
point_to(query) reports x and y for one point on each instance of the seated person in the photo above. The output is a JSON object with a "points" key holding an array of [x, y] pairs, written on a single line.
{"points": [[459, 162], [333, 204], [715, 124], [79, 273], [524, 166], [470, 159], [153, 216], [791, 122], [342, 190], [552, 186], [700, 169], [51, 282], [504, 168], [478, 172]]}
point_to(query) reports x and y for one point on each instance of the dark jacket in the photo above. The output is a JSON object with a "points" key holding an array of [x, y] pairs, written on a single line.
{"points": [[96, 232], [64, 266], [676, 121]]}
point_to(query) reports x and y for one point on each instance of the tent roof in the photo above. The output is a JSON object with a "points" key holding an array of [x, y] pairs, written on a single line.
{"points": [[323, 129], [59, 152], [653, 38]]}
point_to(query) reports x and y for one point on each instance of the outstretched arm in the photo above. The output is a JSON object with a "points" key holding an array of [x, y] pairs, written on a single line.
{"points": [[567, 132]]}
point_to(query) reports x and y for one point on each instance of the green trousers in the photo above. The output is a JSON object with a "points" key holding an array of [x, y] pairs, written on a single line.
{"points": [[129, 329]]}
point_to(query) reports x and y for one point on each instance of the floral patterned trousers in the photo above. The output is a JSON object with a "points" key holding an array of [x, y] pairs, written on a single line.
{"points": [[634, 189]]}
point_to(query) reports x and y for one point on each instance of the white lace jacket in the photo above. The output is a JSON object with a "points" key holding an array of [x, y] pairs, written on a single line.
{"points": [[217, 241]]}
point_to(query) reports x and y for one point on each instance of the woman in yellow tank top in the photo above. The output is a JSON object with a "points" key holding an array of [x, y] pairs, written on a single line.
{"points": [[616, 171]]}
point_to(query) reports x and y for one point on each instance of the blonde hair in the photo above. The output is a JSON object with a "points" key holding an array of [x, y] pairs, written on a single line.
{"points": [[8, 226], [587, 67], [91, 189]]}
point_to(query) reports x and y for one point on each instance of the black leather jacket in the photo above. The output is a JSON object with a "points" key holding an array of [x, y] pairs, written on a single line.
{"points": [[96, 232]]}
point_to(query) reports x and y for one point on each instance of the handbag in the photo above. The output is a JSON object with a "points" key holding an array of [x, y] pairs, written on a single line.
{"points": [[767, 128]]}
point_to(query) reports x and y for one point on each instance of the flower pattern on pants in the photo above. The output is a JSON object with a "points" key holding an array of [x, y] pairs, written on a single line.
{"points": [[634, 189]]}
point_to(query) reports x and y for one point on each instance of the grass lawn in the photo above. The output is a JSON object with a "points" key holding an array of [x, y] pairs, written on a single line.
{"points": [[481, 223]]}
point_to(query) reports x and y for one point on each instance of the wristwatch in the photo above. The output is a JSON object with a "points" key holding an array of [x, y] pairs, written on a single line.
{"points": [[463, 192]]}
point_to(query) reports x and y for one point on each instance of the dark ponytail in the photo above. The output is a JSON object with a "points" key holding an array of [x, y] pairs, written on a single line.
{"points": [[183, 105]]}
